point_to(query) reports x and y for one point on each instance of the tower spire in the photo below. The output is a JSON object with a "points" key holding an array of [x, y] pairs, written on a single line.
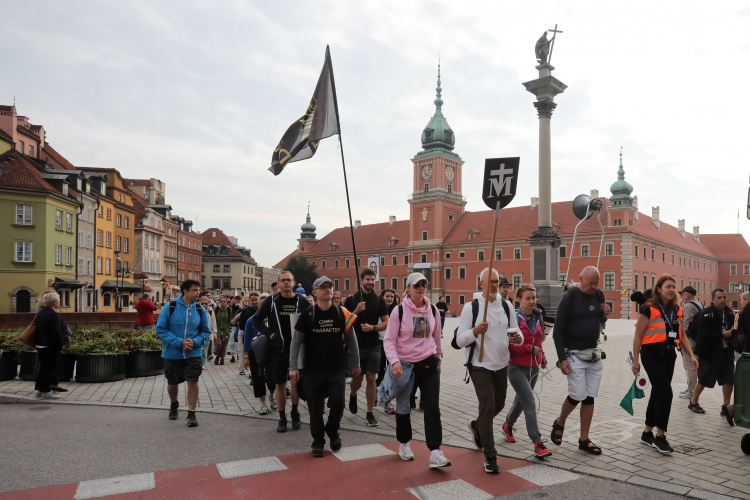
{"points": [[621, 189], [438, 89]]}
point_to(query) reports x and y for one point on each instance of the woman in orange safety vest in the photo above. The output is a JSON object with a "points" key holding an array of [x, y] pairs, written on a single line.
{"points": [[658, 330]]}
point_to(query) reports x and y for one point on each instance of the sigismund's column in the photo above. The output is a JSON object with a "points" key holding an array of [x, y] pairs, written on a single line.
{"points": [[545, 241]]}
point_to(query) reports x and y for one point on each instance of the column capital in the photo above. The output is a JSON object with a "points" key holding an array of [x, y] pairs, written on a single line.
{"points": [[545, 108]]}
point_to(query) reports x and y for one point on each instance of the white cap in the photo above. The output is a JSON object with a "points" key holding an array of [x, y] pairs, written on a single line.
{"points": [[415, 278]]}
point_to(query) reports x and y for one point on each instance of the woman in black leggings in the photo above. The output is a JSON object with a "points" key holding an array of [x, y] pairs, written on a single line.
{"points": [[658, 330]]}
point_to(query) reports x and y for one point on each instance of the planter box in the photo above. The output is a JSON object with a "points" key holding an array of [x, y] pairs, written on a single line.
{"points": [[144, 364], [30, 366], [100, 367], [8, 365]]}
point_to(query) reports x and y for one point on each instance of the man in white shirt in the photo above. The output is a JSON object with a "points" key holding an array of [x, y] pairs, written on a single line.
{"points": [[490, 376]]}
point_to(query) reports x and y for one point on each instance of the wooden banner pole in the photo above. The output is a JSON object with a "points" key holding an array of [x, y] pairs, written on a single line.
{"points": [[487, 284]]}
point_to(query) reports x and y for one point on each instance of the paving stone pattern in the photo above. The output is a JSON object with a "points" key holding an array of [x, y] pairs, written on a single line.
{"points": [[718, 468]]}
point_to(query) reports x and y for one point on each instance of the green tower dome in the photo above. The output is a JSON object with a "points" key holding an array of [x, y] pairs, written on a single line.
{"points": [[438, 134], [308, 228], [621, 189]]}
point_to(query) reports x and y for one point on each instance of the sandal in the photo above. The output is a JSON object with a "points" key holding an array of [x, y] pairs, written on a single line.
{"points": [[557, 438], [593, 449], [696, 408]]}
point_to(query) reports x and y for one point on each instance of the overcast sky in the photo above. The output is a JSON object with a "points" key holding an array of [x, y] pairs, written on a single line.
{"points": [[198, 94]]}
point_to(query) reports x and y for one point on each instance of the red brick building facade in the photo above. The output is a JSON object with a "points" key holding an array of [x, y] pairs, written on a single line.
{"points": [[189, 251]]}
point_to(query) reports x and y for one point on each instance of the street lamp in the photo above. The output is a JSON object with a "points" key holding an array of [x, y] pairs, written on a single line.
{"points": [[163, 287], [144, 280], [120, 275]]}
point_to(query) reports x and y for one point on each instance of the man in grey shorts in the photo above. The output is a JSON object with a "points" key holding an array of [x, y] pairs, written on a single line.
{"points": [[372, 317]]}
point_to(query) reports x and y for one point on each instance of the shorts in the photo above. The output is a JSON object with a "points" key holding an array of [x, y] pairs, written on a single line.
{"points": [[177, 371], [585, 379], [369, 360], [277, 367], [720, 368]]}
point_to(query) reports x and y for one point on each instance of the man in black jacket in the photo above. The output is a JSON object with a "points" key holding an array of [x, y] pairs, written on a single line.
{"points": [[714, 350], [277, 309], [50, 338]]}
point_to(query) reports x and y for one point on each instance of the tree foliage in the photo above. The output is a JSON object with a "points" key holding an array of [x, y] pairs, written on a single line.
{"points": [[304, 272]]}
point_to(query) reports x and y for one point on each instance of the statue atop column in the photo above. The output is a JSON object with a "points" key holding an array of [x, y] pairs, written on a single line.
{"points": [[542, 49]]}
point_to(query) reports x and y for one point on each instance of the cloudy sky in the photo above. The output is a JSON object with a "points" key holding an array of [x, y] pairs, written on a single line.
{"points": [[198, 94]]}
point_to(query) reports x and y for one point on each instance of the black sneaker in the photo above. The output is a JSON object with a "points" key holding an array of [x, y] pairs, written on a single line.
{"points": [[296, 424], [242, 372], [647, 438], [210, 357], [317, 451], [474, 428], [282, 425], [336, 443], [191, 420], [353, 403], [371, 421], [221, 362], [232, 360], [490, 465], [173, 411], [660, 443]]}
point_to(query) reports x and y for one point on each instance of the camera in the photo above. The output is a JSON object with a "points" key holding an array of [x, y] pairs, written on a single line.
{"points": [[604, 355]]}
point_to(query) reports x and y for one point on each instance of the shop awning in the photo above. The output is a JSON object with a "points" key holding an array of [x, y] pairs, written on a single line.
{"points": [[124, 286], [71, 283]]}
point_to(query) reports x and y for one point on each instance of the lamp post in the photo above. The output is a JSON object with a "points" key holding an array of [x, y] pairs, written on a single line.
{"points": [[120, 275], [144, 280], [163, 288]]}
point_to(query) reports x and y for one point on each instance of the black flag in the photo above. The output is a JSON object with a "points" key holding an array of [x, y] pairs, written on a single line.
{"points": [[500, 181], [300, 141]]}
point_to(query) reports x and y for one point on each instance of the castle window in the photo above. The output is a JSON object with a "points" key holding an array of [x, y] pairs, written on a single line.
{"points": [[450, 188], [426, 187], [450, 216], [424, 234]]}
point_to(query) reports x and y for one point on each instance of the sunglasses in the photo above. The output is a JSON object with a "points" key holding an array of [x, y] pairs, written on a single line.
{"points": [[419, 285], [286, 280]]}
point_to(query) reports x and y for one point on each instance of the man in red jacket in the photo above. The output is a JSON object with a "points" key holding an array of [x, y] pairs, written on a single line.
{"points": [[145, 309]]}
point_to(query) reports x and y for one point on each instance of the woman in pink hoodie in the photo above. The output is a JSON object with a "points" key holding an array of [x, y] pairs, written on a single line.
{"points": [[412, 345]]}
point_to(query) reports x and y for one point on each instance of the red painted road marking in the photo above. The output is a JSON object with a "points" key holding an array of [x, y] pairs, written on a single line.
{"points": [[319, 478]]}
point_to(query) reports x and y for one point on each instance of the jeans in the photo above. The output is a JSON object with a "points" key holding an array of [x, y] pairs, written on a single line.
{"points": [[47, 358], [426, 376], [318, 386], [659, 365], [491, 388], [523, 380]]}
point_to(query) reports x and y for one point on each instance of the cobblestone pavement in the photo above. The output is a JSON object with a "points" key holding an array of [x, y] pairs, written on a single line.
{"points": [[708, 461]]}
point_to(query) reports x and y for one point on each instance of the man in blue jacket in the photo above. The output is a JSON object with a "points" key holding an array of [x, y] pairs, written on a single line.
{"points": [[183, 329]]}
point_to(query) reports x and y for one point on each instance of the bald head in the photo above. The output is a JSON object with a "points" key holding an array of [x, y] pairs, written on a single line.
{"points": [[589, 280]]}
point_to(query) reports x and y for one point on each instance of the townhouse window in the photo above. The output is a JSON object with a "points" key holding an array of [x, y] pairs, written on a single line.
{"points": [[448, 299], [644, 251], [80, 238], [79, 271], [733, 287], [58, 221], [99, 265], [461, 299], [336, 284], [406, 259], [23, 251], [335, 263], [127, 222], [23, 215], [447, 273], [609, 282], [563, 251], [636, 252], [118, 243], [394, 283], [480, 255], [609, 249], [69, 222], [359, 261], [451, 217], [322, 263], [447, 255], [585, 250], [68, 256], [119, 220], [106, 300], [733, 269], [653, 254], [424, 234], [746, 269], [517, 278], [125, 248], [462, 254], [89, 267], [190, 259], [226, 269], [107, 263], [346, 283], [91, 215], [109, 240], [423, 257], [498, 255], [346, 262], [109, 214], [217, 268], [426, 187], [20, 146], [517, 254], [653, 280], [405, 283], [672, 259], [394, 260], [58, 255], [462, 273], [382, 262], [664, 256], [382, 283]]}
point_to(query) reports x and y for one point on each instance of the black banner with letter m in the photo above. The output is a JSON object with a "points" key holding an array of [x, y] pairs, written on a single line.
{"points": [[500, 181]]}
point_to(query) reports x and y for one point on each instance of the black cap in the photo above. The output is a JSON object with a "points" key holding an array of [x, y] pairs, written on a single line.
{"points": [[688, 289]]}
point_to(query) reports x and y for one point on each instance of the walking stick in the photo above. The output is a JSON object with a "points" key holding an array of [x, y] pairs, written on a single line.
{"points": [[489, 279]]}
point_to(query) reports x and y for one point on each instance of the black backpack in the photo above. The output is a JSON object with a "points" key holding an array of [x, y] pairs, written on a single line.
{"points": [[473, 345], [173, 305], [692, 329]]}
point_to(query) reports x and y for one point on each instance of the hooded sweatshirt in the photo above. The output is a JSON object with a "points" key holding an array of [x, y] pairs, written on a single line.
{"points": [[521, 355], [400, 342], [185, 323], [496, 354]]}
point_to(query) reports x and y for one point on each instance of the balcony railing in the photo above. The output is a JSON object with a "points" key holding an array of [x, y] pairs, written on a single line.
{"points": [[437, 193]]}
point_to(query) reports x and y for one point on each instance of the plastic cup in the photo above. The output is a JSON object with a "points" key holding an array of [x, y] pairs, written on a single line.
{"points": [[511, 333]]}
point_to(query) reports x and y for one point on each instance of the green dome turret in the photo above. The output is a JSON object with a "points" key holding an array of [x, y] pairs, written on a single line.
{"points": [[438, 134], [621, 189], [308, 228]]}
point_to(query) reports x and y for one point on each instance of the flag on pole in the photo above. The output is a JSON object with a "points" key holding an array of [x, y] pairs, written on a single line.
{"points": [[301, 139], [634, 393]]}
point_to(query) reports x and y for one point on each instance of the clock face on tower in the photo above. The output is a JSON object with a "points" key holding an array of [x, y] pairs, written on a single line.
{"points": [[427, 172], [449, 173]]}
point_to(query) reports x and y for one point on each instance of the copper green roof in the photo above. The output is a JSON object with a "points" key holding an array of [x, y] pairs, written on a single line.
{"points": [[438, 134], [621, 189], [308, 228]]}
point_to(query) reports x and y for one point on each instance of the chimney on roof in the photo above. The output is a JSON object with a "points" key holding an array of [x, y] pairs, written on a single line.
{"points": [[655, 217], [681, 227], [357, 223], [594, 193], [635, 205], [391, 219], [697, 233], [534, 201]]}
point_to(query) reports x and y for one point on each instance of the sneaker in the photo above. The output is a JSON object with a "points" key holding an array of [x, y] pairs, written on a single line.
{"points": [[203, 367], [371, 421], [232, 360], [661, 444], [437, 459], [192, 421], [490, 465], [647, 438], [686, 394], [389, 409], [282, 425], [216, 361], [540, 450], [242, 372], [317, 451], [263, 410], [173, 411], [508, 431], [404, 451], [474, 429], [49, 395], [38, 394], [274, 406], [59, 389], [296, 423], [210, 357], [353, 403], [336, 444]]}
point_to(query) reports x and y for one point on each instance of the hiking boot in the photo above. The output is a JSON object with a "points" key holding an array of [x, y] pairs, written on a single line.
{"points": [[353, 403], [371, 421], [647, 438], [508, 431], [191, 420], [296, 424], [317, 451], [282, 425], [336, 443], [437, 459], [474, 429], [404, 451], [540, 450], [490, 465], [173, 411], [661, 444]]}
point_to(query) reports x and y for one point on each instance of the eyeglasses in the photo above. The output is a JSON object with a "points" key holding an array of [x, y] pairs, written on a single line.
{"points": [[286, 280], [493, 282], [419, 285]]}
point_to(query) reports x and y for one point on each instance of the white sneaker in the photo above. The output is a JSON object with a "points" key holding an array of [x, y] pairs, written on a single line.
{"points": [[404, 451], [437, 459], [50, 395], [686, 394], [264, 410], [38, 394]]}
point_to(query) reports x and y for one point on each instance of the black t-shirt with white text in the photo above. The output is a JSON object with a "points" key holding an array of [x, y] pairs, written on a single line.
{"points": [[325, 348], [442, 307], [285, 308], [374, 310]]}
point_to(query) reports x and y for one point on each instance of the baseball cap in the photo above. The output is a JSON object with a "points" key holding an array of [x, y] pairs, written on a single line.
{"points": [[688, 289], [415, 278], [323, 279]]}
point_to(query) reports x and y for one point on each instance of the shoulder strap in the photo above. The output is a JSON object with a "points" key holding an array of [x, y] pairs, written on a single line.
{"points": [[475, 312], [172, 306], [507, 310]]}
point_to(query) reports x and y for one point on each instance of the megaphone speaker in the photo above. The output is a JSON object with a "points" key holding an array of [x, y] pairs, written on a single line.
{"points": [[642, 382]]}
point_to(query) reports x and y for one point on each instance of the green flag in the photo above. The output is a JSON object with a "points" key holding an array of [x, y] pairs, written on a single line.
{"points": [[633, 393]]}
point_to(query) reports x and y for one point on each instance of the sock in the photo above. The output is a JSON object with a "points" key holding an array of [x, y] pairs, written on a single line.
{"points": [[175, 404], [282, 415]]}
